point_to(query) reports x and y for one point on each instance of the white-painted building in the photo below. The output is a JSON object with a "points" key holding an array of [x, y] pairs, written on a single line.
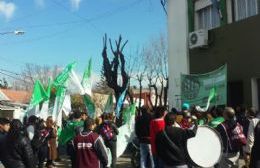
{"points": [[233, 37]]}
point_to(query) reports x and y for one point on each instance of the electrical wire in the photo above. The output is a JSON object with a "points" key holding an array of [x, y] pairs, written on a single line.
{"points": [[14, 73], [15, 78]]}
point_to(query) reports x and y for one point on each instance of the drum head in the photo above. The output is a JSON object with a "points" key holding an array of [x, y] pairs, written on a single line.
{"points": [[206, 148]]}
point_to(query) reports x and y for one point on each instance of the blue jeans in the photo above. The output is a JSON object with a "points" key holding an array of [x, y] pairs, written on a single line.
{"points": [[158, 163], [145, 155]]}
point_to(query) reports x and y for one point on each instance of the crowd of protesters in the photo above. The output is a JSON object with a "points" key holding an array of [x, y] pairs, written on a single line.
{"points": [[163, 135], [35, 143]]}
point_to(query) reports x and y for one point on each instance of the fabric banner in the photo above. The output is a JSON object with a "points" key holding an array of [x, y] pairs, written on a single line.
{"points": [[91, 109], [63, 77], [120, 102], [74, 78], [86, 79], [59, 100], [109, 104], [126, 135], [45, 106], [67, 105], [196, 89]]}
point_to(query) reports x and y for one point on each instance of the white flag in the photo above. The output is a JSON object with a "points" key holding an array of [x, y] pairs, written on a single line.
{"points": [[67, 105], [45, 110], [74, 78]]}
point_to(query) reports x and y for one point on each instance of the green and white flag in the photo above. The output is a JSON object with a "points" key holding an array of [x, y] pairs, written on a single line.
{"points": [[128, 113], [212, 95], [86, 80], [59, 100], [67, 105], [109, 104], [63, 77], [74, 78], [38, 95], [45, 106], [89, 105], [60, 83]]}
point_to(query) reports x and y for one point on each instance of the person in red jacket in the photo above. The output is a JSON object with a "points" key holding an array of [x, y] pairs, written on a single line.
{"points": [[156, 126], [89, 148]]}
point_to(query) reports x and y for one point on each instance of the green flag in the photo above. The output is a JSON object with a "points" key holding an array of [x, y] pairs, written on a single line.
{"points": [[68, 133], [128, 113], [109, 105], [89, 105], [62, 78], [212, 94], [48, 90], [86, 80], [38, 94]]}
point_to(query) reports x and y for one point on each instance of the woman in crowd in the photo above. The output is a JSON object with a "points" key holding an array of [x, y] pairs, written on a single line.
{"points": [[52, 143], [18, 152]]}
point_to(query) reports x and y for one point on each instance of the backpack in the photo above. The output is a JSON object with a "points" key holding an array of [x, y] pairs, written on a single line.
{"points": [[107, 132], [235, 136]]}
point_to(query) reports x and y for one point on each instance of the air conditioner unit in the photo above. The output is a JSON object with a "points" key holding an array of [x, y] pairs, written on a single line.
{"points": [[198, 38]]}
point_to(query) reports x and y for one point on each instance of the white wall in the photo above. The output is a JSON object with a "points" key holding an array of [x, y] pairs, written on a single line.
{"points": [[178, 46]]}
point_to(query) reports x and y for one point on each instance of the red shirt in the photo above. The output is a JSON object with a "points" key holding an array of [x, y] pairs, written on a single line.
{"points": [[85, 150], [185, 124], [156, 126]]}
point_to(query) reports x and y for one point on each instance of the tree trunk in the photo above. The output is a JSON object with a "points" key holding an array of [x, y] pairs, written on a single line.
{"points": [[166, 93], [140, 93], [161, 94]]}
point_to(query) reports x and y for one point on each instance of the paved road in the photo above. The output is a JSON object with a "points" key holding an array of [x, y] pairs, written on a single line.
{"points": [[123, 162]]}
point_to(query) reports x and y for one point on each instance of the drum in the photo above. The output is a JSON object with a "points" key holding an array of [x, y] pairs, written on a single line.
{"points": [[205, 149]]}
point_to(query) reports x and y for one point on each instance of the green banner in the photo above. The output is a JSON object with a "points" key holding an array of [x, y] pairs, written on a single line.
{"points": [[195, 89]]}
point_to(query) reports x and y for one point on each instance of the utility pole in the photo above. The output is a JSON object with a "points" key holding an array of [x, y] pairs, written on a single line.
{"points": [[178, 47]]}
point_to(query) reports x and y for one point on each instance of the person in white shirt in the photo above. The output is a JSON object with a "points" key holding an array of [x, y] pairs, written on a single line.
{"points": [[252, 115]]}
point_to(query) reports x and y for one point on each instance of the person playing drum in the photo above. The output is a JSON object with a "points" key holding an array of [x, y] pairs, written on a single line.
{"points": [[171, 142]]}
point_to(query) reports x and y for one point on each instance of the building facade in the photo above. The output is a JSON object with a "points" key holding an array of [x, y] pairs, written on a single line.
{"points": [[233, 38]]}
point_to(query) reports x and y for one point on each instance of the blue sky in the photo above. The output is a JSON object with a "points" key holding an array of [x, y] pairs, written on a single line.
{"points": [[61, 31]]}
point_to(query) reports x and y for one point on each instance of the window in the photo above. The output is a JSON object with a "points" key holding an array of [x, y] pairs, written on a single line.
{"points": [[208, 18], [245, 8]]}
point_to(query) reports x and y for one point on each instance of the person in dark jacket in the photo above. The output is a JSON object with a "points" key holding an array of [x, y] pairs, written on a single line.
{"points": [[89, 147], [40, 142], [255, 157], [108, 130], [171, 142], [142, 130], [4, 129], [18, 152]]}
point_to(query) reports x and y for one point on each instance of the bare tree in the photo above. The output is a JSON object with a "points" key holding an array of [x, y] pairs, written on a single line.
{"points": [[32, 72], [157, 68], [111, 68]]}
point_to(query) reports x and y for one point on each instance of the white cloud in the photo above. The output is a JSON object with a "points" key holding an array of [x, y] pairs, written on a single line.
{"points": [[75, 4], [7, 9], [39, 3]]}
